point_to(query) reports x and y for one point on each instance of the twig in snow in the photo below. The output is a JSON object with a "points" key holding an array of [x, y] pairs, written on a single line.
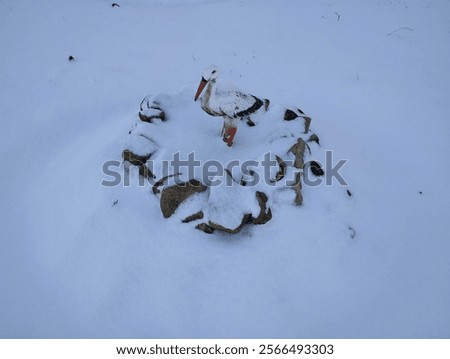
{"points": [[352, 232], [338, 15], [402, 28], [115, 4]]}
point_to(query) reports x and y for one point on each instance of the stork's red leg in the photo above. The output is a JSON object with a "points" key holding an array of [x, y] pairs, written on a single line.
{"points": [[229, 136], [229, 131]]}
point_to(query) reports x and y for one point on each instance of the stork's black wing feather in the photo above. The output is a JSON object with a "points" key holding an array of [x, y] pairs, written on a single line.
{"points": [[252, 109]]}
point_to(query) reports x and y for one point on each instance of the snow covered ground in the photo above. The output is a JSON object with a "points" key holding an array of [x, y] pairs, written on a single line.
{"points": [[373, 75]]}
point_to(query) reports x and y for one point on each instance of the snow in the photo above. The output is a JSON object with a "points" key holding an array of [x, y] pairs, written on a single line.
{"points": [[229, 204], [374, 77]]}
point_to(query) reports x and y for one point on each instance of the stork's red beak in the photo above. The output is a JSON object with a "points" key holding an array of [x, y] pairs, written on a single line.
{"points": [[202, 85]]}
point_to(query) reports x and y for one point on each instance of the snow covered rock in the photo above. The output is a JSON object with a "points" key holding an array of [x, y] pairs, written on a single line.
{"points": [[150, 111], [173, 196], [193, 217]]}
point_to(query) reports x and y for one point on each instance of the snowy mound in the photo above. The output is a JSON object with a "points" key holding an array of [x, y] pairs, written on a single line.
{"points": [[179, 150]]}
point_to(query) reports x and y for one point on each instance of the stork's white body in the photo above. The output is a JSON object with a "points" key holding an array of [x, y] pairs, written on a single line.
{"points": [[222, 99]]}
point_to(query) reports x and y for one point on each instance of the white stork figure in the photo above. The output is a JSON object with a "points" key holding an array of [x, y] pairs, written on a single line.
{"points": [[226, 101]]}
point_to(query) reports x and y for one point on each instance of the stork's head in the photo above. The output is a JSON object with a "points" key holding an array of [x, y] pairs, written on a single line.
{"points": [[210, 74]]}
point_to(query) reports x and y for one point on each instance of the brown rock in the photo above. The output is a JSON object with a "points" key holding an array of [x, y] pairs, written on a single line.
{"points": [[316, 169], [246, 219], [264, 214], [290, 115], [194, 217], [282, 169], [159, 114], [160, 182], [299, 151], [307, 123], [314, 138], [172, 197], [298, 189], [144, 171], [205, 228], [134, 159]]}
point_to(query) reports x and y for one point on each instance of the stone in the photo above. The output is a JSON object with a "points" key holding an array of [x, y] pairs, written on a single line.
{"points": [[314, 138], [173, 196], [298, 189], [316, 169], [193, 217], [298, 150], [246, 219], [307, 123], [152, 113], [265, 215], [145, 172], [160, 182], [133, 158], [205, 228], [282, 169], [290, 115]]}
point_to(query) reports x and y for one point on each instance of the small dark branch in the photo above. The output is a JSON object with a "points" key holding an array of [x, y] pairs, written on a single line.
{"points": [[352, 232], [400, 29], [115, 4], [71, 58], [338, 15]]}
